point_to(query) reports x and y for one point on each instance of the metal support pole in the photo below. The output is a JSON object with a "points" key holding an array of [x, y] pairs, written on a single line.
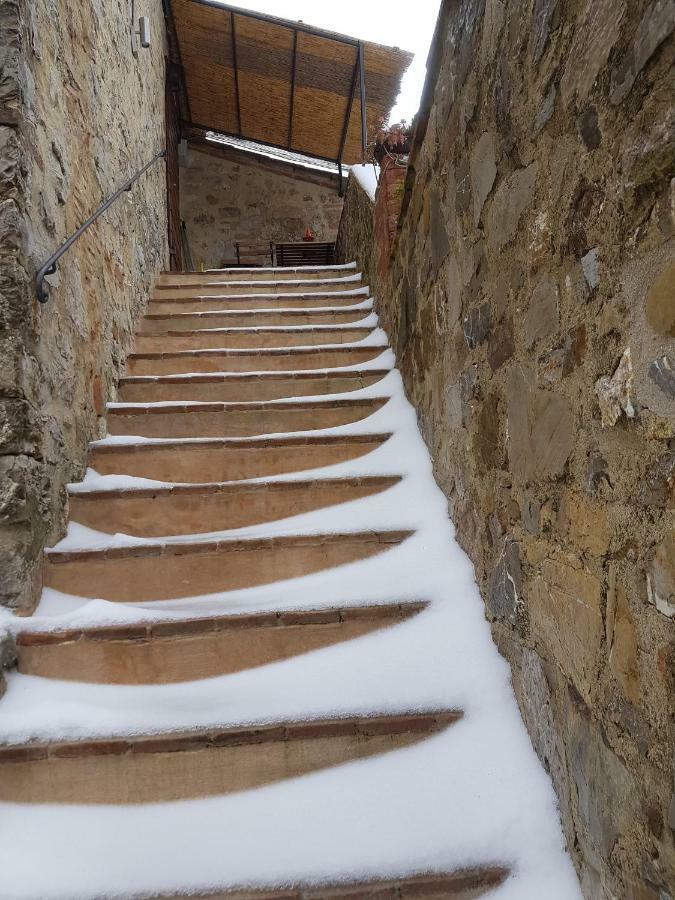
{"points": [[362, 92], [340, 191]]}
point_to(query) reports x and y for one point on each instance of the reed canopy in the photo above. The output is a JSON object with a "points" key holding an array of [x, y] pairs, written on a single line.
{"points": [[283, 83]]}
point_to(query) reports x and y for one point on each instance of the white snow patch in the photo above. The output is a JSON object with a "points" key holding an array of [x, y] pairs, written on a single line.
{"points": [[367, 176]]}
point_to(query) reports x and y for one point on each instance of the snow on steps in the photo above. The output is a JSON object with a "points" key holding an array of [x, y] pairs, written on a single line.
{"points": [[302, 699]]}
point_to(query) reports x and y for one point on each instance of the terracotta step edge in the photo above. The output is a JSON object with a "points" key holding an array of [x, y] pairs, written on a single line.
{"points": [[436, 884], [176, 628], [183, 548], [261, 351], [236, 487], [130, 409], [215, 377], [238, 443], [231, 736]]}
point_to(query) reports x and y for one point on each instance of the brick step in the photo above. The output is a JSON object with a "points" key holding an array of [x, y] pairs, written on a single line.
{"points": [[200, 508], [223, 301], [244, 387], [183, 765], [166, 571], [247, 338], [228, 460], [237, 288], [463, 884], [153, 323], [272, 360], [276, 273], [238, 419], [185, 650]]}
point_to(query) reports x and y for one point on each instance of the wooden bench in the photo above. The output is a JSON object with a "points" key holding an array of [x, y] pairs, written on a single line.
{"points": [[305, 253]]}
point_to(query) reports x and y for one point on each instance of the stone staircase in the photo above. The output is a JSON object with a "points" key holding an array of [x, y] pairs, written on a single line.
{"points": [[256, 617]]}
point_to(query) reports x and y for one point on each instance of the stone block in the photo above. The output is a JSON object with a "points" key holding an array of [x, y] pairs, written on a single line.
{"points": [[588, 128], [615, 394], [584, 522], [656, 487], [656, 25], [660, 305], [662, 374], [476, 325], [591, 268], [511, 199], [544, 20], [661, 576], [565, 613], [541, 433], [595, 34], [621, 638], [541, 318], [501, 346], [505, 587], [440, 245], [483, 168]]}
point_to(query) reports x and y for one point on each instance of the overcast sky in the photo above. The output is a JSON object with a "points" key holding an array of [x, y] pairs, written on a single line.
{"points": [[409, 26]]}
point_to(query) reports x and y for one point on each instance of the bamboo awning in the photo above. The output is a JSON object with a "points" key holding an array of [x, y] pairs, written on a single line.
{"points": [[282, 83]]}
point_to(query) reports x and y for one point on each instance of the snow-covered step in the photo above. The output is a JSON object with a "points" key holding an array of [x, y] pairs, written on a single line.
{"points": [[270, 286], [264, 360], [275, 273], [185, 765], [165, 571], [177, 321], [198, 508], [220, 299], [242, 337], [256, 386], [222, 459], [184, 650], [236, 419]]}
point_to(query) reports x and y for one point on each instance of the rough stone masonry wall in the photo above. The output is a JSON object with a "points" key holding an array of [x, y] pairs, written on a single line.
{"points": [[79, 115], [355, 240], [223, 201], [531, 299]]}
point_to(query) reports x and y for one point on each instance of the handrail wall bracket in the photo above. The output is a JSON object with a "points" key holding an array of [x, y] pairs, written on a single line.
{"points": [[49, 267]]}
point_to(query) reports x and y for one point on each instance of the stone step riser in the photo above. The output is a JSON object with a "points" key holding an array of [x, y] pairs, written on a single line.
{"points": [[232, 289], [235, 340], [198, 462], [291, 361], [171, 652], [155, 323], [254, 274], [147, 513], [253, 389], [233, 421], [166, 572], [168, 768], [161, 305]]}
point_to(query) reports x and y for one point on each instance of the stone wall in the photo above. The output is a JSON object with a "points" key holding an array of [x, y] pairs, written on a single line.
{"points": [[224, 200], [531, 299], [79, 116], [356, 234]]}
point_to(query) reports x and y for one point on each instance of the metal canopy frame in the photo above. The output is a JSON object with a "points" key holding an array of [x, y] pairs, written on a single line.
{"points": [[297, 28]]}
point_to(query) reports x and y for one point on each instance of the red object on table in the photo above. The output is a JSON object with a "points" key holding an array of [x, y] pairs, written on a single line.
{"points": [[308, 236]]}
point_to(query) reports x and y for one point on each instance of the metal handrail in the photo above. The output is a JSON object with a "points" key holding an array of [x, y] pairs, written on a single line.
{"points": [[50, 266]]}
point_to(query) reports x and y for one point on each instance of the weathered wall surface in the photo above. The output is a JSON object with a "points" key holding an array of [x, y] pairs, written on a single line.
{"points": [[356, 234], [223, 201], [531, 298], [79, 116]]}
